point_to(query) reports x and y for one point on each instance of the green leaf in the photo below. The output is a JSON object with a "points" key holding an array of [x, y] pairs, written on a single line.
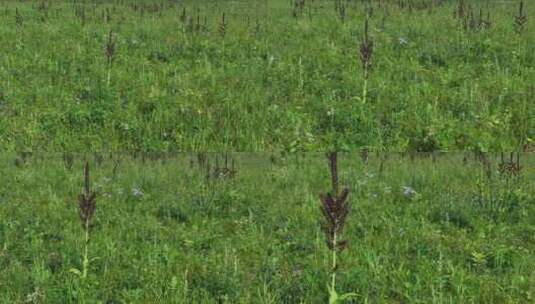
{"points": [[75, 271], [333, 295], [348, 295]]}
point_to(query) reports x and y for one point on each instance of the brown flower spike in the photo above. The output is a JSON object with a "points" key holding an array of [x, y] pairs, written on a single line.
{"points": [[335, 208], [87, 201], [366, 49]]}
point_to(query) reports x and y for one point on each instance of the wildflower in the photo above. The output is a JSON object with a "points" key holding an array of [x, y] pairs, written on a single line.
{"points": [[87, 202], [87, 206], [366, 50], [408, 191], [137, 192], [334, 208]]}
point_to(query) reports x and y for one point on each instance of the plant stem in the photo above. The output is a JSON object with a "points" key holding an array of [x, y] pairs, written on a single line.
{"points": [[86, 253], [365, 87], [109, 75], [333, 274]]}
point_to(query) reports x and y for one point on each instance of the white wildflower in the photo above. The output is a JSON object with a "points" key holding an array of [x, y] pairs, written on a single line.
{"points": [[137, 192], [408, 191]]}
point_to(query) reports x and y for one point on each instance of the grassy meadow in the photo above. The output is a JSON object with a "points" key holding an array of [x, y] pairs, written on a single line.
{"points": [[259, 75], [168, 229], [117, 119]]}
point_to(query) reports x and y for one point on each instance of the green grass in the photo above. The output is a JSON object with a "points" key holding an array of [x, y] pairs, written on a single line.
{"points": [[163, 234], [274, 82]]}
